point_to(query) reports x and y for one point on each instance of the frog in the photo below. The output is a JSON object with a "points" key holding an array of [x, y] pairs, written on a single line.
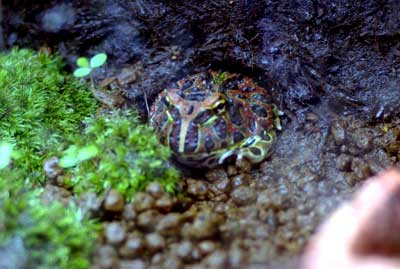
{"points": [[211, 117]]}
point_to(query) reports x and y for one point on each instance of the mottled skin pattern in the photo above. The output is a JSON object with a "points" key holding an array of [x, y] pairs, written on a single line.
{"points": [[211, 116]]}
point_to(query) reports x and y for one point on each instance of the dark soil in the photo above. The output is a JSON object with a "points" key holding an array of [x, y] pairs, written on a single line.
{"points": [[333, 67]]}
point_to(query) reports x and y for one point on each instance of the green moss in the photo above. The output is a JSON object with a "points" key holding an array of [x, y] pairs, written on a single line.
{"points": [[40, 106], [54, 236], [128, 156]]}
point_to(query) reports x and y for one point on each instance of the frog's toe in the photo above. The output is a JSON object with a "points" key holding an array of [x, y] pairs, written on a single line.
{"points": [[256, 149]]}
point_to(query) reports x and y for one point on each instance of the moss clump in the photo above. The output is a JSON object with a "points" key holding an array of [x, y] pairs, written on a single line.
{"points": [[128, 156], [53, 236], [40, 106]]}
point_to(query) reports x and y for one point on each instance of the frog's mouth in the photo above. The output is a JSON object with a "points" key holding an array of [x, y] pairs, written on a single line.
{"points": [[254, 149]]}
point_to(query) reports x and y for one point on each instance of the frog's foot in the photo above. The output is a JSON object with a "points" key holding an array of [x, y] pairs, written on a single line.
{"points": [[256, 148]]}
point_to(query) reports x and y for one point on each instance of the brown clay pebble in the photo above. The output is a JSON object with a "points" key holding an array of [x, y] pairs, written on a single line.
{"points": [[129, 212], [218, 259], [231, 170], [115, 233], [133, 247], [197, 188], [343, 162], [169, 224], [114, 201], [107, 257], [148, 220], [243, 196], [206, 247], [165, 203], [269, 199], [239, 180], [132, 264], [172, 262], [205, 225], [216, 174], [143, 201], [360, 168], [223, 185], [51, 168], [154, 242], [338, 133], [155, 189], [243, 164], [90, 202], [184, 250]]}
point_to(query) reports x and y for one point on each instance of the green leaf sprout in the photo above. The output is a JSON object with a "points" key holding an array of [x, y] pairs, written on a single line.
{"points": [[85, 67], [5, 154]]}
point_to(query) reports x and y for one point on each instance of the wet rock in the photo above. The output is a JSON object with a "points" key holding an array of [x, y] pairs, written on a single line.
{"points": [[197, 188], [205, 225], [338, 133], [127, 76], [148, 220], [206, 247], [155, 189], [143, 201], [243, 195], [132, 264], [114, 201], [133, 247], [165, 203], [114, 233], [169, 224], [51, 168], [343, 162], [154, 242], [269, 199], [53, 193], [216, 174], [107, 257]]}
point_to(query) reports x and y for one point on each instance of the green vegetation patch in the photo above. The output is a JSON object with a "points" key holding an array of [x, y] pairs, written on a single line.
{"points": [[53, 236], [40, 106], [123, 154]]}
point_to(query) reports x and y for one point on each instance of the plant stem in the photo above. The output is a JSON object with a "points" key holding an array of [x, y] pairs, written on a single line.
{"points": [[91, 81]]}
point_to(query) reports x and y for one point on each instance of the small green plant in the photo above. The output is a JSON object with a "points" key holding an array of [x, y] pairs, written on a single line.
{"points": [[86, 66], [117, 151], [53, 235]]}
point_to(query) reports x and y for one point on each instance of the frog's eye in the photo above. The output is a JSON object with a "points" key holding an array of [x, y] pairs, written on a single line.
{"points": [[219, 107]]}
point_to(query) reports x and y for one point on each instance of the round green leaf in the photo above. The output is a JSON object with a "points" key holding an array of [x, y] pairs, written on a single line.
{"points": [[87, 153], [82, 72], [68, 161], [82, 62], [98, 60], [5, 154], [70, 157]]}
